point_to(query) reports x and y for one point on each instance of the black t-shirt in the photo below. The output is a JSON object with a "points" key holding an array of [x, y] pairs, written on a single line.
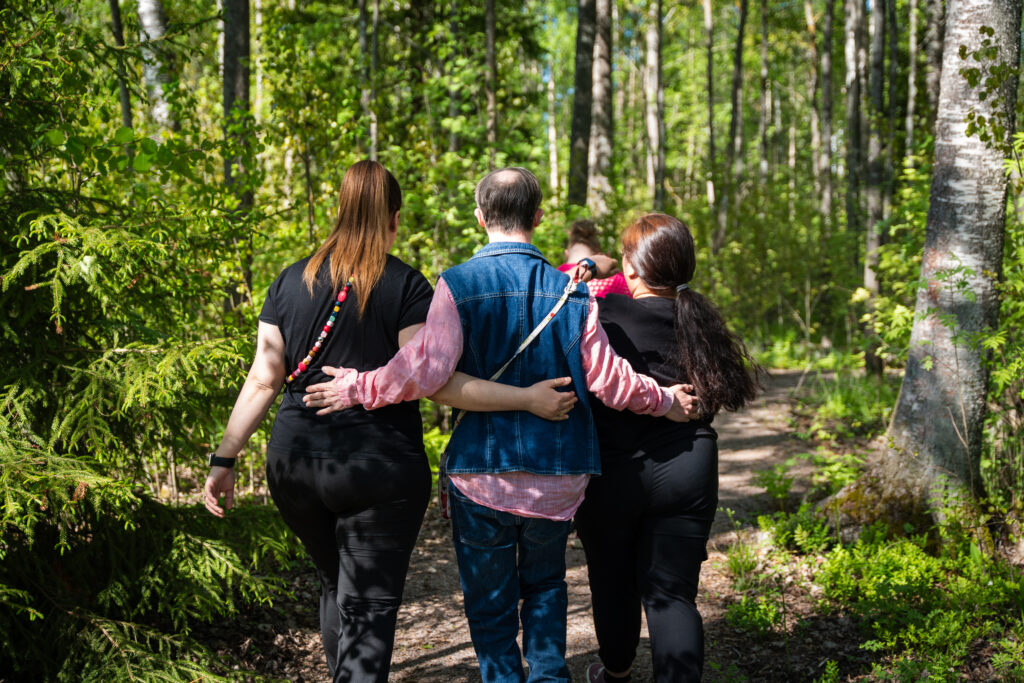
{"points": [[400, 299], [643, 332]]}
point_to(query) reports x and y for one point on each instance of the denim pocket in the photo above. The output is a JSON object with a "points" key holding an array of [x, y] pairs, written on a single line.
{"points": [[477, 525]]}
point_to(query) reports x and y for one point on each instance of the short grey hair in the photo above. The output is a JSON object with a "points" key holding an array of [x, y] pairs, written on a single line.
{"points": [[509, 199]]}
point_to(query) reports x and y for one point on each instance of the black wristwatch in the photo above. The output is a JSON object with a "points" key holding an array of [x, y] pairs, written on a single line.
{"points": [[217, 461], [588, 263]]}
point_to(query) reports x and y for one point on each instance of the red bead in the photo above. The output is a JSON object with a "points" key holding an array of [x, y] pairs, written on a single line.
{"points": [[302, 366], [326, 329]]}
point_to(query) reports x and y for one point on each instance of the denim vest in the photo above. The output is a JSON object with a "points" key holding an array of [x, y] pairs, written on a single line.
{"points": [[501, 294]]}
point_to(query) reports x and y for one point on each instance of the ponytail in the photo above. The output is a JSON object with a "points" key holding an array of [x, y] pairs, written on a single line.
{"points": [[713, 359]]}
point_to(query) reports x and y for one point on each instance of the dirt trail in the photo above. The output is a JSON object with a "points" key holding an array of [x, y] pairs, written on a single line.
{"points": [[433, 643]]}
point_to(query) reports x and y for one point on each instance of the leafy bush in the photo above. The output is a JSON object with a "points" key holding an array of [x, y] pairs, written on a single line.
{"points": [[846, 405], [759, 615], [803, 531]]}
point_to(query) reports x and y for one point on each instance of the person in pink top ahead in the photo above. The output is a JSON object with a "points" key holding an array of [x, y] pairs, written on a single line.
{"points": [[517, 480], [583, 243]]}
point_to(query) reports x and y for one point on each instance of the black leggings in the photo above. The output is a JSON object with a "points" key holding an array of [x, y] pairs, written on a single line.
{"points": [[644, 525], [358, 517]]}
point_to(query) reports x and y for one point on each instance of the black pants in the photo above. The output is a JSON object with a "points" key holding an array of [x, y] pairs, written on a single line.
{"points": [[644, 524], [358, 517]]}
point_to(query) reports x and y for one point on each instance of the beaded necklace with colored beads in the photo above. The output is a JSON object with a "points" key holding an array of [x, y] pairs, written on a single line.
{"points": [[342, 295]]}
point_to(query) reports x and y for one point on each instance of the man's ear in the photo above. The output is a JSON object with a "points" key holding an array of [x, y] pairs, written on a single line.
{"points": [[480, 217], [537, 216]]}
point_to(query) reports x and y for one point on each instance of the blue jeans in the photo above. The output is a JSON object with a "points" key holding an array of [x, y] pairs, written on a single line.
{"points": [[504, 558]]}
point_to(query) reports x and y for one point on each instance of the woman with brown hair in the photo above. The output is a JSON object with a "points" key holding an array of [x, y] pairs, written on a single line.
{"points": [[353, 485], [645, 521]]}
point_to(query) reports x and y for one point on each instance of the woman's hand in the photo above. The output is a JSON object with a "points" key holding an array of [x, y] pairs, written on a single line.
{"points": [[544, 400], [221, 480], [686, 406], [334, 395]]}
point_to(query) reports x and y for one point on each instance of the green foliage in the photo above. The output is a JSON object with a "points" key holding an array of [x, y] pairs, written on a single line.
{"points": [[803, 531], [757, 615], [434, 443], [776, 483], [846, 405]]}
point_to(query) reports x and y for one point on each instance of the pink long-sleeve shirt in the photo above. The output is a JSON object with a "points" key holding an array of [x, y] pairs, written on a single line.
{"points": [[427, 362]]}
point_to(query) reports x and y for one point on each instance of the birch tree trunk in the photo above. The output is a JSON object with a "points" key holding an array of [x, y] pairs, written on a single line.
{"points": [[911, 79], [936, 429], [157, 69], [875, 178], [552, 136], [579, 136], [852, 10], [655, 107], [815, 88], [600, 165], [825, 163], [491, 84], [709, 31], [734, 148]]}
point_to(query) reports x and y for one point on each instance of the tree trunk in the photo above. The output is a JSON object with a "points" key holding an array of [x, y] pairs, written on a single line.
{"points": [[911, 79], [552, 135], [368, 59], [655, 107], [157, 70], [122, 76], [236, 107], [600, 166], [579, 136], [762, 119], [890, 129], [814, 86], [491, 84], [936, 429], [708, 29], [934, 32], [853, 124], [875, 178], [453, 93], [825, 164], [734, 149]]}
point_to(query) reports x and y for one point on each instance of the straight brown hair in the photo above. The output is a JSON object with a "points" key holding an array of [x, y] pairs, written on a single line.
{"points": [[357, 246]]}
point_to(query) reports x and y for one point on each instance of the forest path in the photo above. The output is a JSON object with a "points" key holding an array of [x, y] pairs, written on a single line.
{"points": [[433, 643]]}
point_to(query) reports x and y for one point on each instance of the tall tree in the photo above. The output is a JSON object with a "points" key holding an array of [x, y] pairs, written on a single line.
{"points": [[911, 79], [710, 49], [368, 55], [552, 134], [934, 32], [655, 106], [763, 114], [936, 429], [236, 108], [601, 146], [814, 84], [875, 179], [853, 9], [825, 162], [122, 76], [734, 147], [579, 136], [157, 67], [491, 83]]}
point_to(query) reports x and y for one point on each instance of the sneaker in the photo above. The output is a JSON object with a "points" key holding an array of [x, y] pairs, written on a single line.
{"points": [[597, 674]]}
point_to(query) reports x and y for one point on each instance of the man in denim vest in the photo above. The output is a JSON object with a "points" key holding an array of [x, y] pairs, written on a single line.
{"points": [[516, 479]]}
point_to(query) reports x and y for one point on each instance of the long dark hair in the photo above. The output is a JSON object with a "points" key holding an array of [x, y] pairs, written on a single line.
{"points": [[714, 359], [357, 246]]}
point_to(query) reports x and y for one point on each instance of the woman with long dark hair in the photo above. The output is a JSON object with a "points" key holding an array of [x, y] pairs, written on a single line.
{"points": [[352, 485], [645, 521]]}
